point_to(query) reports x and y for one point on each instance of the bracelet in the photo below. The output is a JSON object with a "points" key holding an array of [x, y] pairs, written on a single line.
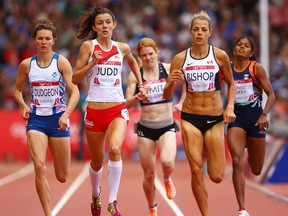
{"points": [[264, 113], [141, 85]]}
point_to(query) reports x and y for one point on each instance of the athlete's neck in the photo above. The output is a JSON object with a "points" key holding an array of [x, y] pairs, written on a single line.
{"points": [[44, 59], [199, 51], [151, 73], [104, 43], [241, 64]]}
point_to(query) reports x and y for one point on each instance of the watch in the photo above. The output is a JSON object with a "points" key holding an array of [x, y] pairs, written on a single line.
{"points": [[264, 113]]}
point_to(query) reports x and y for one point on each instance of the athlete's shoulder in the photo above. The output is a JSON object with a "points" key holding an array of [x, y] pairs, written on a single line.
{"points": [[87, 44], [64, 64], [221, 56], [62, 58], [26, 62], [258, 68], [219, 52], [24, 66], [181, 55], [166, 66], [124, 47]]}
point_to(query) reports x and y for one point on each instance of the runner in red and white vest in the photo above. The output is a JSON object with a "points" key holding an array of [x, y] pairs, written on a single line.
{"points": [[100, 60]]}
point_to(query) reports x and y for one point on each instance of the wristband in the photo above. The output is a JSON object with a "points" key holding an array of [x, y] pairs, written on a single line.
{"points": [[141, 86]]}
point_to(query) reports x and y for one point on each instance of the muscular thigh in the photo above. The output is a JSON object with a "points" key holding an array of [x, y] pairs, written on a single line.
{"points": [[147, 152], [167, 145], [215, 147], [61, 153], [95, 141], [37, 145], [116, 132], [193, 143], [60, 147], [256, 149]]}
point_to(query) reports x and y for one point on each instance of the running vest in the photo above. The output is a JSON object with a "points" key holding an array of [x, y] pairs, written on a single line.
{"points": [[104, 79], [202, 75], [47, 87], [248, 89], [155, 95]]}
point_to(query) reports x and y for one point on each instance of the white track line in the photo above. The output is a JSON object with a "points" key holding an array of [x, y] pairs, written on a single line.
{"points": [[267, 191], [171, 203], [80, 179], [17, 175]]}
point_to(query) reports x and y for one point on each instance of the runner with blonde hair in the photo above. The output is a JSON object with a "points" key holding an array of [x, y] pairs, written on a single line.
{"points": [[203, 117]]}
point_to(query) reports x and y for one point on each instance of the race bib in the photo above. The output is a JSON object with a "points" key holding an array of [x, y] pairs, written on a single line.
{"points": [[244, 91], [45, 94]]}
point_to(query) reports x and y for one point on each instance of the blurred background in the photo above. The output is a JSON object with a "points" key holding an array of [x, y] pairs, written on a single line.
{"points": [[167, 22]]}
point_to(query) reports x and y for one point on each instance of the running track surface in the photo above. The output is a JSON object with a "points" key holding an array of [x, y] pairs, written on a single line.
{"points": [[18, 195]]}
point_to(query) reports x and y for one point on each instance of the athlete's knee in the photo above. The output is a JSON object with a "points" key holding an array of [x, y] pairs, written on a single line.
{"points": [[40, 169], [256, 170], [167, 163], [216, 177], [62, 177], [149, 176], [148, 171], [216, 173], [236, 162], [197, 173], [96, 165], [114, 151]]}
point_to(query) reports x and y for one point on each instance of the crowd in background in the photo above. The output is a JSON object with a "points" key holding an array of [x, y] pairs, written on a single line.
{"points": [[166, 21]]}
